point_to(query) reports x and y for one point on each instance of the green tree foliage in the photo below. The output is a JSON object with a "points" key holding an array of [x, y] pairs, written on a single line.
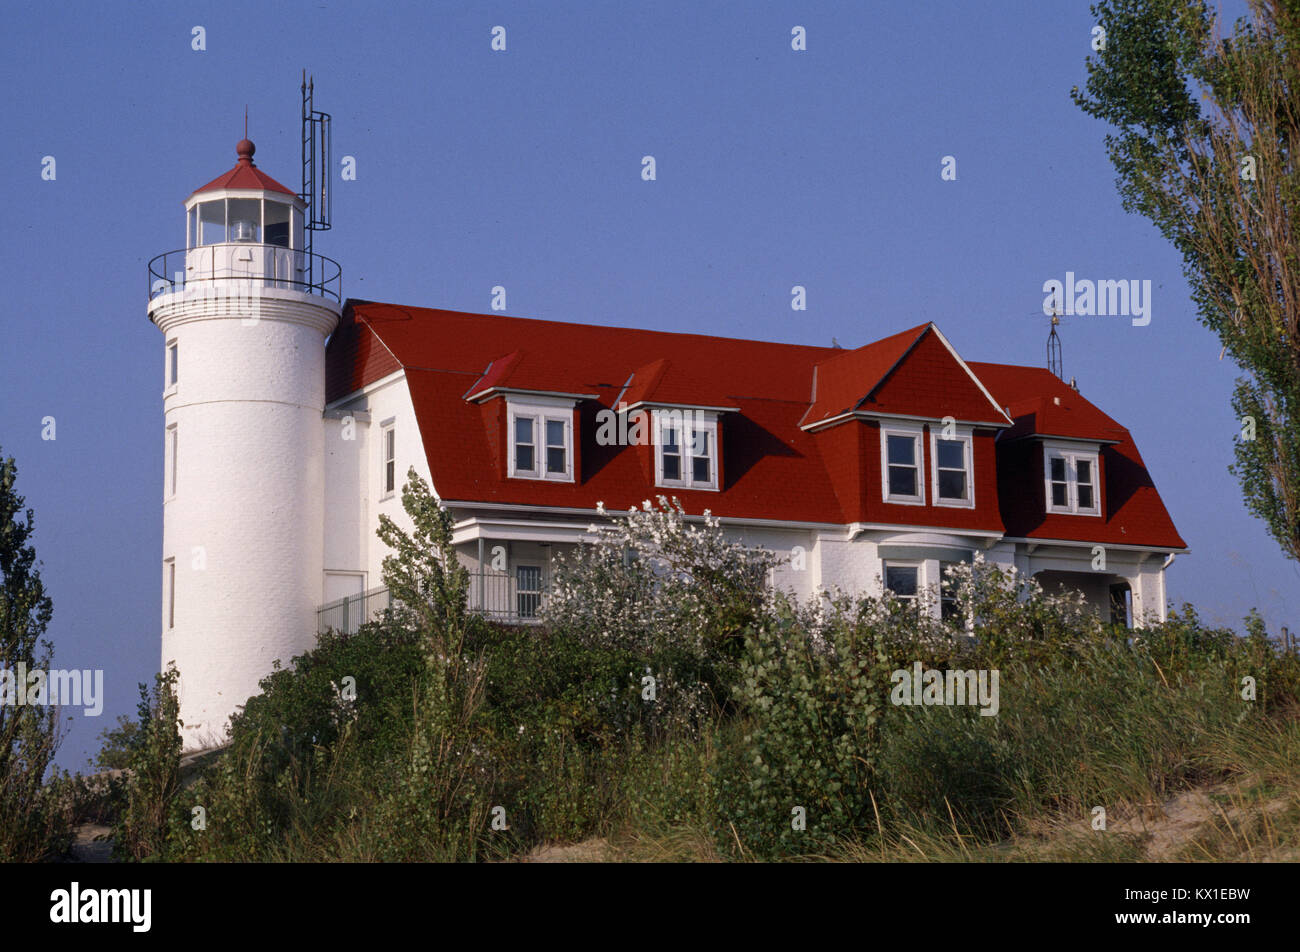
{"points": [[29, 734], [1206, 134], [428, 585], [116, 744], [440, 793], [152, 815]]}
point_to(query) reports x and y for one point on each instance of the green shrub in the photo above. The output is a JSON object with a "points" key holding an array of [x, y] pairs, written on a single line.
{"points": [[811, 735], [151, 816]]}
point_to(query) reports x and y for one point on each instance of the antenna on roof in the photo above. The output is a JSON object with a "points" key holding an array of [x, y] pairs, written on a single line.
{"points": [[1054, 344], [317, 143]]}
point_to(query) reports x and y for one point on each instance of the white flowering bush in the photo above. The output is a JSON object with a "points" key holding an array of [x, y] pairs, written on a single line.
{"points": [[650, 580], [1011, 615], [671, 592]]}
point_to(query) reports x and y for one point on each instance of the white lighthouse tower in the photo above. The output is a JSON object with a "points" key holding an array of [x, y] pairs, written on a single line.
{"points": [[245, 309]]}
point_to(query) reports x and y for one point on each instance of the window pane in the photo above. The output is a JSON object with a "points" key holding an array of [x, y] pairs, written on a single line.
{"points": [[900, 579], [523, 457], [902, 449], [670, 440], [700, 469], [699, 443], [1083, 469], [171, 594], [245, 219], [947, 602], [390, 476], [952, 454], [1085, 496], [524, 430], [173, 353], [212, 219], [1059, 495], [902, 481], [672, 466], [952, 484], [277, 223], [528, 590], [390, 444], [555, 459], [555, 433], [1058, 468]]}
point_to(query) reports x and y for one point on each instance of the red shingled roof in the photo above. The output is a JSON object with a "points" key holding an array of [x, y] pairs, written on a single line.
{"points": [[772, 468], [244, 175], [1042, 404]]}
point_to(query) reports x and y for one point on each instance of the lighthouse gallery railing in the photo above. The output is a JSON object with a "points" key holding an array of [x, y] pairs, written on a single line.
{"points": [[206, 266]]}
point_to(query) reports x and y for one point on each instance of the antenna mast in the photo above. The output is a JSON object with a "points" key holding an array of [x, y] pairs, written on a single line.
{"points": [[316, 149], [1054, 345]]}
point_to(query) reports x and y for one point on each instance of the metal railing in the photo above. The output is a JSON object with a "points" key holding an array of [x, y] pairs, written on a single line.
{"points": [[514, 599], [289, 269], [498, 596], [349, 614]]}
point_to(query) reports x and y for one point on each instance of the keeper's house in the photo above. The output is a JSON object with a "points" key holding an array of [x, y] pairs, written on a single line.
{"points": [[869, 467]]}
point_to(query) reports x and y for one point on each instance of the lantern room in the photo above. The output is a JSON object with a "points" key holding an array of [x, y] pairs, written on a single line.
{"points": [[245, 227], [244, 206]]}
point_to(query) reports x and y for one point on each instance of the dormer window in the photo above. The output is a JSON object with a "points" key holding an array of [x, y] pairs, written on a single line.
{"points": [[952, 479], [1071, 480], [541, 442], [686, 449]]}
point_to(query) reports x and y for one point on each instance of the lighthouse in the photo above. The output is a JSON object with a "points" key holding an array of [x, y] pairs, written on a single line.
{"points": [[244, 310]]}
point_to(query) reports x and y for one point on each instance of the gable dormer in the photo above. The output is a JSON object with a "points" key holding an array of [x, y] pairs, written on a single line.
{"points": [[910, 429]]}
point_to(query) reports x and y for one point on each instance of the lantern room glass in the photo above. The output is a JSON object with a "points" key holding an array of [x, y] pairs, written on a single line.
{"points": [[244, 216], [276, 224], [244, 220], [212, 222]]}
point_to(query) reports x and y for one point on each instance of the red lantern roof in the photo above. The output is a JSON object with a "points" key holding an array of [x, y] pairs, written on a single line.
{"points": [[245, 174]]}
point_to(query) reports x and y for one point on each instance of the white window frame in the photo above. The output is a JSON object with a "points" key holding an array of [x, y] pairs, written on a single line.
{"points": [[540, 413], [1071, 454], [962, 435], [169, 593], [386, 428], [171, 369], [170, 453], [688, 422], [916, 565], [521, 593], [915, 431]]}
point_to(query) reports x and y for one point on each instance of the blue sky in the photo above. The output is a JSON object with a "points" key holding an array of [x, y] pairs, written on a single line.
{"points": [[522, 169]]}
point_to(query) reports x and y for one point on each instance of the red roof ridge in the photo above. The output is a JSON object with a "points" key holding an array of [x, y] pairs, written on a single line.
{"points": [[535, 321]]}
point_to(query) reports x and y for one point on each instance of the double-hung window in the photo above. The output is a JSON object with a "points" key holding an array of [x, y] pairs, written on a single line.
{"points": [[541, 443], [1071, 480], [686, 449], [388, 446], [952, 479], [901, 456]]}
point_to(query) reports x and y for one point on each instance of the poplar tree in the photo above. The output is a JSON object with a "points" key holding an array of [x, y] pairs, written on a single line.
{"points": [[29, 735], [1205, 133]]}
